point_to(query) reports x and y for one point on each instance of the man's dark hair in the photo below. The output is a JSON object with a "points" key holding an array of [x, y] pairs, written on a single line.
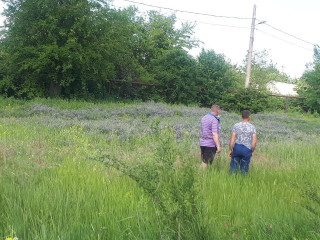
{"points": [[245, 114]]}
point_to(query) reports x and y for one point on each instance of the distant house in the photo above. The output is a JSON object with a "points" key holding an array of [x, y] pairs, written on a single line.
{"points": [[281, 88]]}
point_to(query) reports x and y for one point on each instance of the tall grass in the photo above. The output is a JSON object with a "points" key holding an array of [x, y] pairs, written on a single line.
{"points": [[72, 170], [272, 202]]}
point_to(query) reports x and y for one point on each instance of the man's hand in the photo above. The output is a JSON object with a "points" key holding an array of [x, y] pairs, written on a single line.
{"points": [[218, 149], [231, 143]]}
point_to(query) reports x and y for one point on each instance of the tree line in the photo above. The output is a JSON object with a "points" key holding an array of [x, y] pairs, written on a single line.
{"points": [[77, 48]]}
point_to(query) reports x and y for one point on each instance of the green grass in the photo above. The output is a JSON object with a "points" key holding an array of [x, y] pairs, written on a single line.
{"points": [[76, 201], [270, 203], [55, 183]]}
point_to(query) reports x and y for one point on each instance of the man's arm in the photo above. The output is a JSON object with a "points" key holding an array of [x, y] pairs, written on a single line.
{"points": [[216, 140], [231, 143], [254, 142]]}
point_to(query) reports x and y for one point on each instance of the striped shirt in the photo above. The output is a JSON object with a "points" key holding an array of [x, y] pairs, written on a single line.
{"points": [[209, 125]]}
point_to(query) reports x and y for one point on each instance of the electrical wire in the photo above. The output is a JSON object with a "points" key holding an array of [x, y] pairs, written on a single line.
{"points": [[225, 25], [290, 35], [199, 22], [284, 40], [279, 30], [214, 24], [196, 13]]}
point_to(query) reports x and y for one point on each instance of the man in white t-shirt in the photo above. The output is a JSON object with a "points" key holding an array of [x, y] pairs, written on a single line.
{"points": [[242, 144]]}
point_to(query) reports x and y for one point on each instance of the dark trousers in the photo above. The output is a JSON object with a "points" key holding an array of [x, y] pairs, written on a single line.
{"points": [[241, 156], [207, 154]]}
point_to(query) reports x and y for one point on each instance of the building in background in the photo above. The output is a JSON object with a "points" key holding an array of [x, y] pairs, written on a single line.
{"points": [[281, 88]]}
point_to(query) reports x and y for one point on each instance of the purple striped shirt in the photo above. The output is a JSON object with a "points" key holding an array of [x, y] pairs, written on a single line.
{"points": [[209, 125]]}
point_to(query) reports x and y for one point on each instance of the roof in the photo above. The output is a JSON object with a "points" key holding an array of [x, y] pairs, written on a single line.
{"points": [[281, 88]]}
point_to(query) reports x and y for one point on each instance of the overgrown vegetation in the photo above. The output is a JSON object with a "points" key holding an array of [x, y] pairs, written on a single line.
{"points": [[76, 49], [79, 170], [171, 183], [309, 87]]}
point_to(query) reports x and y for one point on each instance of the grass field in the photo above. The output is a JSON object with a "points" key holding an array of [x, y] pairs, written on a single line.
{"points": [[78, 170]]}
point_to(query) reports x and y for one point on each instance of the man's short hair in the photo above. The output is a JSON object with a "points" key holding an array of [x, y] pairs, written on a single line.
{"points": [[214, 108], [246, 114]]}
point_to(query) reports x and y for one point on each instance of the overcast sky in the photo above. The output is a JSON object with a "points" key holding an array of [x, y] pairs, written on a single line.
{"points": [[295, 17]]}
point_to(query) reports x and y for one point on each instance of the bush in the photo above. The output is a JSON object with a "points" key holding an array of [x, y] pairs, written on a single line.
{"points": [[171, 185], [250, 98]]}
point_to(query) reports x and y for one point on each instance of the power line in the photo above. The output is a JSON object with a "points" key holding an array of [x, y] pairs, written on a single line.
{"points": [[290, 35], [277, 29], [284, 40], [214, 24], [219, 16], [196, 13], [231, 26], [199, 22], [223, 25]]}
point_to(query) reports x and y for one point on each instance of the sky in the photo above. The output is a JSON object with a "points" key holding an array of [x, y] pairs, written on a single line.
{"points": [[231, 36], [294, 17]]}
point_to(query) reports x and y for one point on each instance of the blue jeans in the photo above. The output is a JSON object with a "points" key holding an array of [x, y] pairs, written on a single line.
{"points": [[241, 155]]}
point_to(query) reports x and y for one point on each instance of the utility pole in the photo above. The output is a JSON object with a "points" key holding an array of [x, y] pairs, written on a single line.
{"points": [[253, 24]]}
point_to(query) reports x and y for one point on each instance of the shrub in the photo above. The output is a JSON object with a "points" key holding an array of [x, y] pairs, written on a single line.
{"points": [[171, 185], [250, 98]]}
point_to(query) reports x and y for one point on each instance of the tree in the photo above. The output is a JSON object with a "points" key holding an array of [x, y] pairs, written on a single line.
{"points": [[72, 48], [156, 35], [263, 70], [249, 98], [216, 77], [56, 47], [151, 38], [309, 86], [176, 72]]}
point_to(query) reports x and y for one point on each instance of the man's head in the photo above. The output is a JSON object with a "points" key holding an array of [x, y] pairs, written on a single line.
{"points": [[246, 114], [215, 109]]}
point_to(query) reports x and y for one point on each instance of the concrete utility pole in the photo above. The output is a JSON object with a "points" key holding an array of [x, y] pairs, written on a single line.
{"points": [[253, 24]]}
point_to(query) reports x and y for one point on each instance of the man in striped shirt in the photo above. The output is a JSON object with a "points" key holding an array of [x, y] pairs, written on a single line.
{"points": [[209, 141]]}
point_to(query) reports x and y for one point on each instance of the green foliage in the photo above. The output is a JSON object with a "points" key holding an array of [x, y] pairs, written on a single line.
{"points": [[172, 185], [309, 86], [56, 47], [153, 40], [263, 70], [250, 98], [53, 185], [216, 77], [72, 48], [255, 98], [75, 48], [176, 72], [159, 36]]}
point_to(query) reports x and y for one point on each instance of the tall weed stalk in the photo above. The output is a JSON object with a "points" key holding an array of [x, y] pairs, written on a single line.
{"points": [[171, 181]]}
